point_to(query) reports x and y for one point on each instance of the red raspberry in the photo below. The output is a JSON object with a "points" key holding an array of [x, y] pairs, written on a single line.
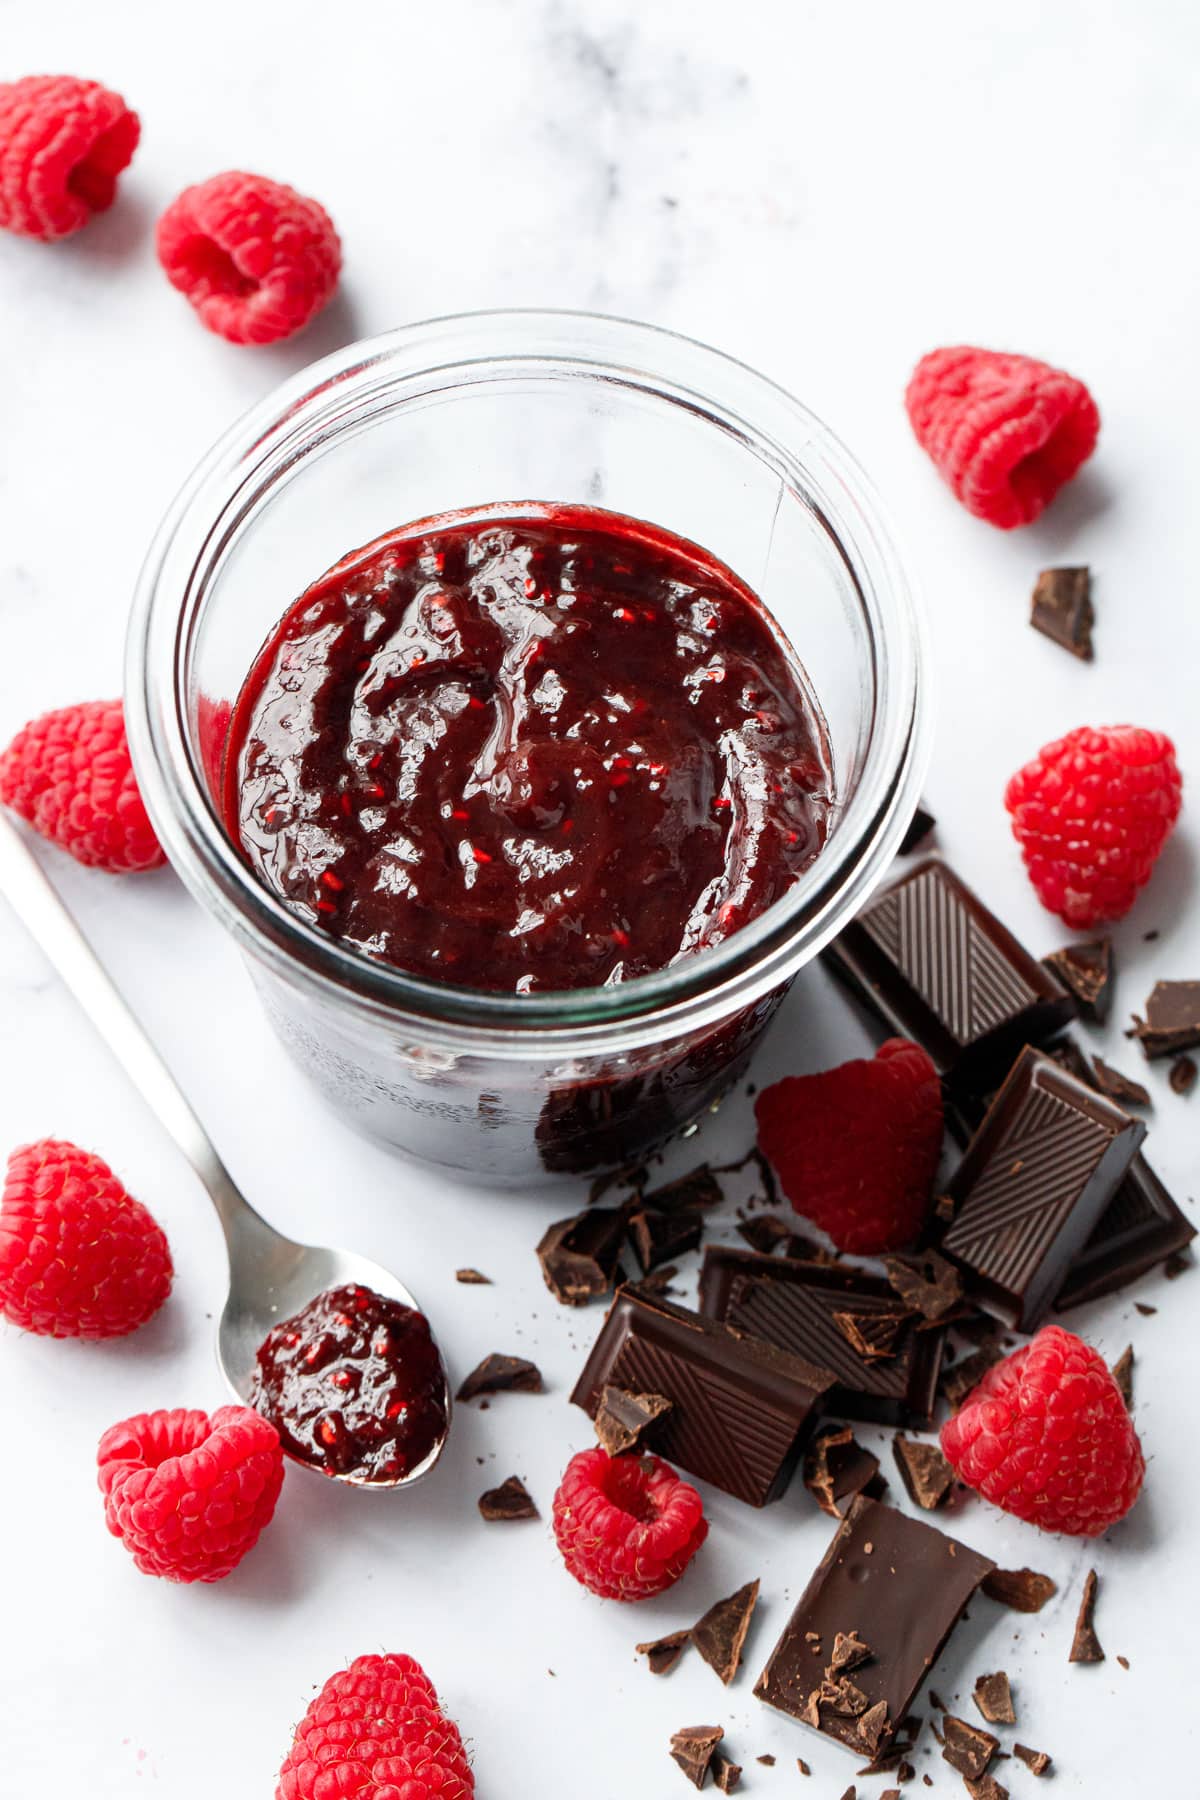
{"points": [[69, 775], [627, 1526], [1091, 813], [189, 1495], [1047, 1436], [79, 1257], [1006, 432], [256, 259], [63, 142], [856, 1149], [376, 1732]]}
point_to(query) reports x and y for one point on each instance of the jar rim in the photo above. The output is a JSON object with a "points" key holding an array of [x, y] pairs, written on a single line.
{"points": [[698, 990]]}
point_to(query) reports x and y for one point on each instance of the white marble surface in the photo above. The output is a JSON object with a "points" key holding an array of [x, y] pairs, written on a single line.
{"points": [[827, 191]]}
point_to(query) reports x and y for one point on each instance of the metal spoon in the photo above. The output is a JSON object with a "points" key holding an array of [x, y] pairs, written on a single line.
{"points": [[270, 1276]]}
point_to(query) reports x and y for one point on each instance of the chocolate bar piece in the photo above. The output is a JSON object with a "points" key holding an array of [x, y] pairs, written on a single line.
{"points": [[1045, 1162], [1172, 1021], [937, 966], [741, 1411], [900, 1585], [795, 1305]]}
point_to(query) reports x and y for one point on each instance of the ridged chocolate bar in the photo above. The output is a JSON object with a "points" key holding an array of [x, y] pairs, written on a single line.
{"points": [[1032, 1185], [937, 966], [741, 1411], [792, 1305]]}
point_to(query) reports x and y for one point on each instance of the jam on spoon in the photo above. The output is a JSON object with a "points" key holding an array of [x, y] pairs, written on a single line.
{"points": [[354, 1385]]}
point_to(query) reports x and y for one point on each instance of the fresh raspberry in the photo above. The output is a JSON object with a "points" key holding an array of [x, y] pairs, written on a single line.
{"points": [[63, 142], [1006, 432], [856, 1149], [69, 774], [1091, 813], [256, 259], [187, 1494], [1047, 1436], [627, 1526], [79, 1257], [376, 1732]]}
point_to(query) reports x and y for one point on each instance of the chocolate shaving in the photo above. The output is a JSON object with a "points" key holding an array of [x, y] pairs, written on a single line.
{"points": [[874, 1336], [993, 1697], [1122, 1374], [472, 1278], [961, 1380], [579, 1256], [699, 1187], [1086, 970], [966, 1748], [498, 1374], [720, 1635], [1022, 1590], [663, 1653], [1118, 1087], [924, 1470], [927, 1283], [511, 1500], [655, 1237], [1182, 1078], [837, 1468], [919, 828], [1038, 1761], [1061, 609], [1085, 1646], [725, 1774], [623, 1419], [1172, 1021], [693, 1749]]}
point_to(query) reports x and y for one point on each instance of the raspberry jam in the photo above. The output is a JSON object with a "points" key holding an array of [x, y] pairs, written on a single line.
{"points": [[527, 749], [354, 1385]]}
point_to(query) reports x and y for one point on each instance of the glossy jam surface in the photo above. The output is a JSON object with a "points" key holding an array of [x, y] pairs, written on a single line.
{"points": [[531, 749], [354, 1385]]}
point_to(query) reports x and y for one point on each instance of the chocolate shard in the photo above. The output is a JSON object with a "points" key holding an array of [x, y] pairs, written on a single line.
{"points": [[765, 1232], [919, 828], [579, 1256], [659, 1280], [966, 1748], [721, 1634], [693, 1749], [924, 1470], [837, 1469], [937, 966], [851, 1793], [657, 1237], [901, 1586], [1172, 1021], [1032, 1185], [741, 1410], [873, 1336], [1118, 1087], [927, 1283], [1182, 1078], [725, 1774], [1122, 1374], [511, 1500], [1062, 610], [993, 1697], [498, 1374], [698, 1188], [472, 1278], [1038, 1761], [849, 1652], [984, 1787], [623, 1419], [961, 1379], [1021, 1590], [792, 1305], [874, 1726], [1085, 1645], [767, 1760], [663, 1653], [1086, 971]]}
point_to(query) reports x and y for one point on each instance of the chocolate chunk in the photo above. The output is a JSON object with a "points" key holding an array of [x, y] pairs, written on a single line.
{"points": [[623, 1419], [927, 1283], [659, 1280], [663, 1653], [498, 1374], [1086, 971], [1034, 1180], [1037, 1760], [919, 828], [1182, 1078], [1122, 1374], [984, 1787], [837, 1469], [925, 1472], [1062, 609], [721, 1633], [962, 1378], [741, 1410], [579, 1256], [1118, 1087], [1085, 1646], [898, 1583], [874, 1337], [937, 966], [698, 1188], [1022, 1590], [656, 1237], [693, 1749], [849, 1652], [967, 1748], [1140, 1226], [1172, 1021], [472, 1278], [792, 1305], [725, 1774], [993, 1697], [511, 1500], [765, 1232]]}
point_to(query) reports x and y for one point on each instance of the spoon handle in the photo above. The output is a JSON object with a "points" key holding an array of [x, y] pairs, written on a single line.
{"points": [[38, 905]]}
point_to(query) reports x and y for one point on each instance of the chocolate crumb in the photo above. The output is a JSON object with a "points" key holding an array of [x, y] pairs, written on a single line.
{"points": [[725, 1774], [803, 1766], [919, 828], [937, 1704], [1122, 1374], [1086, 970], [1147, 1312], [511, 1500], [1172, 1021], [1182, 1078], [986, 1787], [837, 1469], [927, 1283], [873, 1336], [928, 1780], [720, 1635], [1118, 1087], [498, 1374], [993, 1697], [1024, 1590], [1124, 1661], [1038, 1761], [925, 1472], [967, 1748], [579, 1256], [768, 1761], [943, 1208], [623, 1419], [849, 1652], [472, 1278], [663, 1653], [693, 1749], [1085, 1647], [1062, 610]]}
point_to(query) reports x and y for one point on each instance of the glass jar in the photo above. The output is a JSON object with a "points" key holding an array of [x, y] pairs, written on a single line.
{"points": [[513, 406]]}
